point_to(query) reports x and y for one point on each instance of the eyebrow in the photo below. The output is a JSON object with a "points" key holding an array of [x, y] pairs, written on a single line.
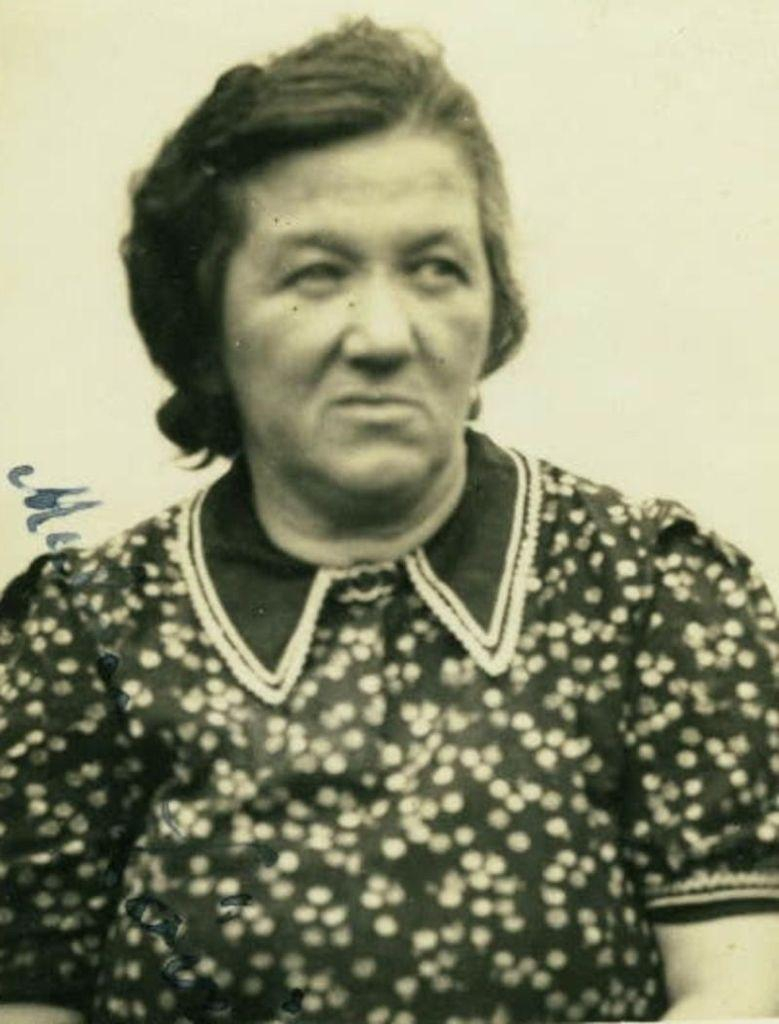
{"points": [[330, 240], [441, 236], [335, 242]]}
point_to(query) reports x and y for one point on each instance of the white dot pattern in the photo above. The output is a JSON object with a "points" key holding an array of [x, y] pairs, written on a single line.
{"points": [[404, 839]]}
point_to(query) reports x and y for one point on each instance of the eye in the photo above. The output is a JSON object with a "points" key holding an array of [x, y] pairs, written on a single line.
{"points": [[316, 279], [438, 273]]}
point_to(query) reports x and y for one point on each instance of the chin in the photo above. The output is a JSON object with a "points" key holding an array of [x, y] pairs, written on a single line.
{"points": [[383, 473]]}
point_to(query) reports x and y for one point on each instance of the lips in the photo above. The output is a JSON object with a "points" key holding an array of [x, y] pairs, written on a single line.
{"points": [[374, 398], [373, 409]]}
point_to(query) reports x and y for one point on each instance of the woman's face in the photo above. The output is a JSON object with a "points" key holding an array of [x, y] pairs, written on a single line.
{"points": [[357, 312]]}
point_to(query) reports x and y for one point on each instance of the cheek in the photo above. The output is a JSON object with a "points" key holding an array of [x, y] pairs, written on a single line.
{"points": [[463, 343], [273, 340]]}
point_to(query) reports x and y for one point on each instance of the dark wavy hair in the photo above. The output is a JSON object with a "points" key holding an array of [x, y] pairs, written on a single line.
{"points": [[358, 79]]}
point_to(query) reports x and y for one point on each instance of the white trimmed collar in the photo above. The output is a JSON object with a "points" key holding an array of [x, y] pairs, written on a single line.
{"points": [[473, 575]]}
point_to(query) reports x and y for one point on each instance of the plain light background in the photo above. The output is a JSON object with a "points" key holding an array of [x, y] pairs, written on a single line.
{"points": [[641, 143]]}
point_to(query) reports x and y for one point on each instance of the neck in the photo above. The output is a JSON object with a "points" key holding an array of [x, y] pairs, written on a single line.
{"points": [[346, 529]]}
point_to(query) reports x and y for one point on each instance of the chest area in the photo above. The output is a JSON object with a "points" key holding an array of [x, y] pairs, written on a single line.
{"points": [[389, 716]]}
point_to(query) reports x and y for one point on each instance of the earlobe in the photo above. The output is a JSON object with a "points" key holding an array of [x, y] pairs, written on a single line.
{"points": [[212, 378], [474, 409]]}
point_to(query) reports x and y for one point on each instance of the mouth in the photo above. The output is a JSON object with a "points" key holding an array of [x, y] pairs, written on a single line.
{"points": [[376, 407], [376, 399]]}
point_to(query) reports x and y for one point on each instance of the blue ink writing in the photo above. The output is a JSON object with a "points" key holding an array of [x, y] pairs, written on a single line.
{"points": [[294, 1003], [48, 504], [48, 501], [229, 907], [155, 917]]}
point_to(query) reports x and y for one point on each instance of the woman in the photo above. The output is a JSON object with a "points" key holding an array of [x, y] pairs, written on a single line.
{"points": [[390, 724]]}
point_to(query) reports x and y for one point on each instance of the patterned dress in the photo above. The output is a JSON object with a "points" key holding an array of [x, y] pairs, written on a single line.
{"points": [[459, 788]]}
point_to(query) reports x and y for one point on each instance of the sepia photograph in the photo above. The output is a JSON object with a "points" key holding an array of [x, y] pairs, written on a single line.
{"points": [[390, 479]]}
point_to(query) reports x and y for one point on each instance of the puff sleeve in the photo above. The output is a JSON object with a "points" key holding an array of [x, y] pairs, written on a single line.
{"points": [[71, 786], [701, 793]]}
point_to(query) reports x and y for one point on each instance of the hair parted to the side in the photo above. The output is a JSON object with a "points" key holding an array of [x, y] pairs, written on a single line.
{"points": [[358, 79]]}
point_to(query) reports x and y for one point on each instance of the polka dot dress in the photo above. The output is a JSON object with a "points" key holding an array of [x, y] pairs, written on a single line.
{"points": [[426, 791]]}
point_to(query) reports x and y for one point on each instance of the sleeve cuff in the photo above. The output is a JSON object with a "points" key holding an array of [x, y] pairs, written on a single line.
{"points": [[716, 895]]}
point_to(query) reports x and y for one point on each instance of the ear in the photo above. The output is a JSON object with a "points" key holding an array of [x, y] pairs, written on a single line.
{"points": [[474, 409], [211, 377]]}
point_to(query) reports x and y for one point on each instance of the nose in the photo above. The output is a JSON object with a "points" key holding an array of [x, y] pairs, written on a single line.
{"points": [[380, 333]]}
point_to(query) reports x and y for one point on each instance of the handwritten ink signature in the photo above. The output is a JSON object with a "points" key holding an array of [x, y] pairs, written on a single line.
{"points": [[55, 503], [47, 501], [149, 913]]}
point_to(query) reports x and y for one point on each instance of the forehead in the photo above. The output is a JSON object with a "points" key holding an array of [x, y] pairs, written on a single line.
{"points": [[364, 184]]}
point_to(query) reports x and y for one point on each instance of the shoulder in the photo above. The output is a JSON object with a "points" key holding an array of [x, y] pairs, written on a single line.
{"points": [[652, 555], [648, 528], [74, 581]]}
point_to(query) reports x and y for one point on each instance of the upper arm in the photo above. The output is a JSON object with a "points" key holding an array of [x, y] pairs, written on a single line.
{"points": [[701, 796], [71, 786], [700, 790], [726, 966]]}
